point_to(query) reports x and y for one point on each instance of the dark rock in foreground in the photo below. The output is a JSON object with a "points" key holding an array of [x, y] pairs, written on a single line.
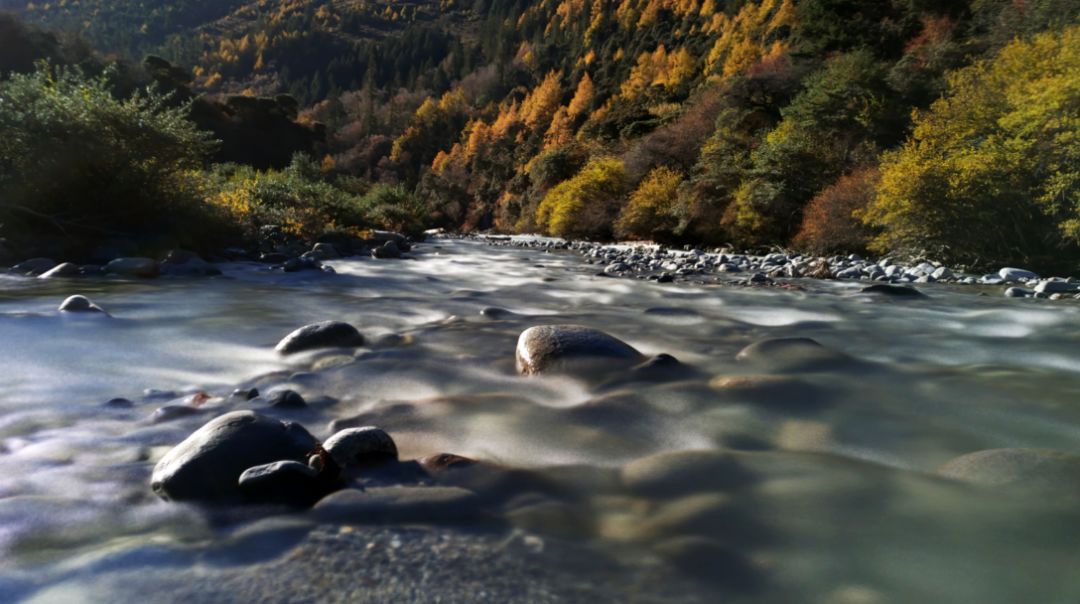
{"points": [[206, 467], [328, 334]]}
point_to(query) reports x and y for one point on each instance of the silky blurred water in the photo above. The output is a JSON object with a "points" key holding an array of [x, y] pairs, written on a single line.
{"points": [[839, 503]]}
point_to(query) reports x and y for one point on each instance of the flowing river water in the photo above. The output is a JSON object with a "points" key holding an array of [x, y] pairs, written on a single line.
{"points": [[800, 479]]}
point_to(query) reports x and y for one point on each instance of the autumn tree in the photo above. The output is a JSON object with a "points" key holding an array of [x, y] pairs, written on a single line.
{"points": [[991, 172]]}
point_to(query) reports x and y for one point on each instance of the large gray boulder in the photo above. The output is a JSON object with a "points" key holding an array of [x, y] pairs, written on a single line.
{"points": [[328, 334], [206, 467], [556, 348]]}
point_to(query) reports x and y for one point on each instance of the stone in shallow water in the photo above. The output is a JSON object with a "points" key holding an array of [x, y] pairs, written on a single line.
{"points": [[791, 354], [557, 347], [710, 561], [79, 304], [327, 334], [678, 473], [287, 482], [1038, 469], [893, 291], [287, 399], [361, 446], [1013, 275], [432, 504], [67, 269], [133, 267], [206, 467]]}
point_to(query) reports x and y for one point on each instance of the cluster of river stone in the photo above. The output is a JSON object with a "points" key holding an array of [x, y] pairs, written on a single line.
{"points": [[289, 258], [245, 457], [666, 265]]}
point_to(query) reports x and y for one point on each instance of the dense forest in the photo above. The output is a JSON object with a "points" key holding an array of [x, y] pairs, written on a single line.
{"points": [[943, 128]]}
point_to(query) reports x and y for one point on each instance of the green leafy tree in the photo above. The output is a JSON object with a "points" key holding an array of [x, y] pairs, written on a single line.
{"points": [[78, 164], [992, 170]]}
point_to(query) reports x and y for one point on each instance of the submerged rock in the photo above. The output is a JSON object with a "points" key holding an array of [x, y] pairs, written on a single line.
{"points": [[207, 466], [554, 347], [893, 291], [433, 504], [387, 250], [791, 354], [1038, 469], [133, 267], [364, 446], [679, 473], [79, 304], [327, 334]]}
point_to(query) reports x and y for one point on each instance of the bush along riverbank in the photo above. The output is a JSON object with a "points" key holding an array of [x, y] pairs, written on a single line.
{"points": [[885, 275]]}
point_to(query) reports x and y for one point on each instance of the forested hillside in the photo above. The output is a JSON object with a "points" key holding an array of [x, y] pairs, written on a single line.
{"points": [[939, 127]]}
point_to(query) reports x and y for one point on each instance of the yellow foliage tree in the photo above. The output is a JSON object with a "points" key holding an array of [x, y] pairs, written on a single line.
{"points": [[654, 210], [992, 170], [585, 205], [583, 97]]}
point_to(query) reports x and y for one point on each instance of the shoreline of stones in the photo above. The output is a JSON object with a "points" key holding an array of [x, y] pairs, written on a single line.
{"points": [[666, 265], [276, 252]]}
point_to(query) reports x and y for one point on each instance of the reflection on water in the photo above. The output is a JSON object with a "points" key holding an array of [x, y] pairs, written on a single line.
{"points": [[793, 474]]}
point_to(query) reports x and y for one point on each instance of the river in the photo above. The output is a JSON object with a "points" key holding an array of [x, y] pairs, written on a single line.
{"points": [[811, 482]]}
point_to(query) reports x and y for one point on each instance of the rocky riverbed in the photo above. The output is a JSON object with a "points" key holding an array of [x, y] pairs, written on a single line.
{"points": [[665, 265], [510, 424]]}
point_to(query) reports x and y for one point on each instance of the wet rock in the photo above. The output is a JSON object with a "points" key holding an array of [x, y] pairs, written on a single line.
{"points": [[1019, 292], [387, 250], [144, 268], [430, 504], [440, 464], [119, 403], [34, 266], [358, 447], [324, 251], [187, 264], [1038, 469], [1055, 287], [328, 334], [554, 347], [893, 291], [206, 467], [1016, 275], [496, 313], [287, 482], [679, 473], [67, 269], [274, 258], [245, 393], [286, 399], [791, 354], [79, 304]]}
